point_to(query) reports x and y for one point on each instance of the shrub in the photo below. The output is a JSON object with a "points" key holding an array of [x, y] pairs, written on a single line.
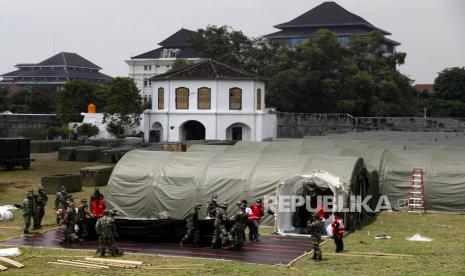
{"points": [[88, 130], [34, 133]]}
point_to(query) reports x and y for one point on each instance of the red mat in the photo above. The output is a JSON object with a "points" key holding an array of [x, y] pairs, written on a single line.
{"points": [[270, 250]]}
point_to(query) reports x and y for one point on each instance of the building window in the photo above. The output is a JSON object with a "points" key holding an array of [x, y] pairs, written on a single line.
{"points": [[204, 98], [390, 49], [170, 53], [343, 39], [182, 98], [147, 67], [235, 99], [259, 99], [147, 83], [296, 41], [161, 98]]}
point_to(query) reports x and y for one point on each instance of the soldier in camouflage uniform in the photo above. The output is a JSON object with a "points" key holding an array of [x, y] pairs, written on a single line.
{"points": [[192, 225], [40, 201], [220, 232], [106, 230], [212, 206], [28, 211], [69, 220], [83, 216], [315, 230], [60, 201], [237, 232]]}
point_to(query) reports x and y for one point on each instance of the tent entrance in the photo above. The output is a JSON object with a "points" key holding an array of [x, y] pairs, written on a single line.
{"points": [[293, 221], [313, 196]]}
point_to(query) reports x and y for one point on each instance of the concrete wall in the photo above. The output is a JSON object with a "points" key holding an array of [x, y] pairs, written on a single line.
{"points": [[12, 124], [97, 119], [297, 125]]}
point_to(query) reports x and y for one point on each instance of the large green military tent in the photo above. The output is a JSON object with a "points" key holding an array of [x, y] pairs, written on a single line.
{"points": [[147, 183], [444, 178]]}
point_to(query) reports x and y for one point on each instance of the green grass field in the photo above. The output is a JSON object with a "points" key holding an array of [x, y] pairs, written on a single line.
{"points": [[445, 255]]}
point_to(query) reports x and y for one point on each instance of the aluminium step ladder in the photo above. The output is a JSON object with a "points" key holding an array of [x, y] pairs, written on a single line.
{"points": [[416, 201]]}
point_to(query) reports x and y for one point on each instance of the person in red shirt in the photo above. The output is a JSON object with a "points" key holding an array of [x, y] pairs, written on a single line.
{"points": [[97, 206], [257, 211], [338, 232]]}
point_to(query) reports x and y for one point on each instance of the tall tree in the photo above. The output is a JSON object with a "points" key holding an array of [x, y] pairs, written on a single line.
{"points": [[232, 47], [3, 99], [74, 98], [450, 84], [322, 75], [308, 77], [39, 102], [124, 105], [220, 43]]}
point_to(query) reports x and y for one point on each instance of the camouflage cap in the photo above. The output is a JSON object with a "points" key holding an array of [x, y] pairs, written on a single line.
{"points": [[224, 205]]}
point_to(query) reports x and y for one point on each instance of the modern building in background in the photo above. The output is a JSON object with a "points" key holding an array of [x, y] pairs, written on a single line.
{"points": [[54, 72], [208, 100], [331, 16], [158, 61]]}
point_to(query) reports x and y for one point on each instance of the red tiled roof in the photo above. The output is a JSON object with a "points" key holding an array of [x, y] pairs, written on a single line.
{"points": [[422, 87]]}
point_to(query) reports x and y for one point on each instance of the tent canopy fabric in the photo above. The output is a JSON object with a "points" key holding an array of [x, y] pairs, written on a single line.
{"points": [[391, 155], [146, 183], [444, 179]]}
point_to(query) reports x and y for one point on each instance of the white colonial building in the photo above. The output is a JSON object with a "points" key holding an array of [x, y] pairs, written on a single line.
{"points": [[158, 61], [208, 100]]}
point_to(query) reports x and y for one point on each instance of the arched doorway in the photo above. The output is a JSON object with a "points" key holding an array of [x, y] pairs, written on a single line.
{"points": [[238, 132], [192, 130], [156, 132]]}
